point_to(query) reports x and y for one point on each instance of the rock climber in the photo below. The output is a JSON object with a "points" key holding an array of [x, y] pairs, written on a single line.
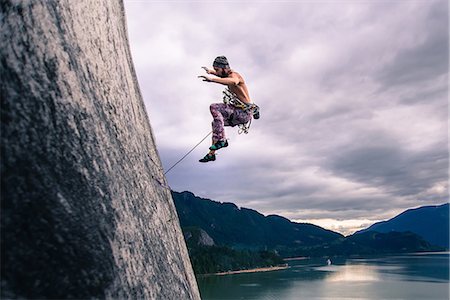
{"points": [[227, 114]]}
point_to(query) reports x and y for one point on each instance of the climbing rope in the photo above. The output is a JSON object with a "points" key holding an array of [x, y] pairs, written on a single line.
{"points": [[187, 153]]}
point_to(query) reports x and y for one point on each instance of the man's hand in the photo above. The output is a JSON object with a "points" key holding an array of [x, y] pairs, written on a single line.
{"points": [[208, 71], [205, 78]]}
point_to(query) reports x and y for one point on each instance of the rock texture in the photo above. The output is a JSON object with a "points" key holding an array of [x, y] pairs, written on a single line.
{"points": [[85, 210]]}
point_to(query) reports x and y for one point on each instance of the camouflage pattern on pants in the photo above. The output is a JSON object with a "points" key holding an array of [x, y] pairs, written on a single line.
{"points": [[226, 115]]}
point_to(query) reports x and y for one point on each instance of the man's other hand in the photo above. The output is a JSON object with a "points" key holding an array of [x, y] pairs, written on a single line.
{"points": [[205, 78], [208, 71]]}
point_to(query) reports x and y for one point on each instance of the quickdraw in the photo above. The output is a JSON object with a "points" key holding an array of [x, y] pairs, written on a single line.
{"points": [[244, 128], [230, 98]]}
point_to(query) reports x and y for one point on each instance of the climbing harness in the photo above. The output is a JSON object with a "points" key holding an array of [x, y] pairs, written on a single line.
{"points": [[231, 98]]}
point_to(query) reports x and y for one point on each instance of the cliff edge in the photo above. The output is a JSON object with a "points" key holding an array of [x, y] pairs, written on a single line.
{"points": [[85, 208]]}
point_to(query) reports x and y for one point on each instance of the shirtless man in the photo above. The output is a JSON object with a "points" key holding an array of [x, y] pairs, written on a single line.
{"points": [[225, 114]]}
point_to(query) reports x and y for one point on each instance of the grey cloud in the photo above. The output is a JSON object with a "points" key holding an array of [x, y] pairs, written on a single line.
{"points": [[330, 119], [426, 61], [401, 172], [436, 94]]}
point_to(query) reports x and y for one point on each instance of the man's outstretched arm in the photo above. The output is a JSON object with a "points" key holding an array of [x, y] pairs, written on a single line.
{"points": [[234, 79]]}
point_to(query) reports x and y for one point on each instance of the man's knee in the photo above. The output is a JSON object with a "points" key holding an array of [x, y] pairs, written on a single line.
{"points": [[214, 107]]}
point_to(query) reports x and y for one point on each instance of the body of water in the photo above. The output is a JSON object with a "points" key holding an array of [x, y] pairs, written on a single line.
{"points": [[412, 276]]}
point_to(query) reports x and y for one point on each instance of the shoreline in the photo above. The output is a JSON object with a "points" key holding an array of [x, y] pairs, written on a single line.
{"points": [[297, 258], [256, 270]]}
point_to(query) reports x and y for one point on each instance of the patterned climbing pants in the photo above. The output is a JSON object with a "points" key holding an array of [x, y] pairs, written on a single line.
{"points": [[226, 115]]}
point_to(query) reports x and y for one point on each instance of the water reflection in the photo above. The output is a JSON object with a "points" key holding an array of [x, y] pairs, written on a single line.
{"points": [[395, 277], [351, 273]]}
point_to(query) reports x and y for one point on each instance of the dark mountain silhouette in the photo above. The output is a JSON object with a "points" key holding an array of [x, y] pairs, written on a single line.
{"points": [[430, 222], [247, 229], [374, 243]]}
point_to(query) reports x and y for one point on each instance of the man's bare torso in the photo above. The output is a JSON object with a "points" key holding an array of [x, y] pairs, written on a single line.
{"points": [[240, 89]]}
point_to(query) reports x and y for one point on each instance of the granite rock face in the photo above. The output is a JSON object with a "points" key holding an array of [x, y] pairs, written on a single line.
{"points": [[85, 208]]}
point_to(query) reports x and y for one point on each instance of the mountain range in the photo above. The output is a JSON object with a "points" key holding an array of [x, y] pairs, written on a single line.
{"points": [[242, 228], [430, 222], [245, 228]]}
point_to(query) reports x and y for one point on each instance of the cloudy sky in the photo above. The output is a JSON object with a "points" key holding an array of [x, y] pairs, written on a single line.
{"points": [[353, 97]]}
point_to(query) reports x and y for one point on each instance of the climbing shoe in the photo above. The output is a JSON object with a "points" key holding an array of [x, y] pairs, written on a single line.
{"points": [[218, 145], [208, 157]]}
